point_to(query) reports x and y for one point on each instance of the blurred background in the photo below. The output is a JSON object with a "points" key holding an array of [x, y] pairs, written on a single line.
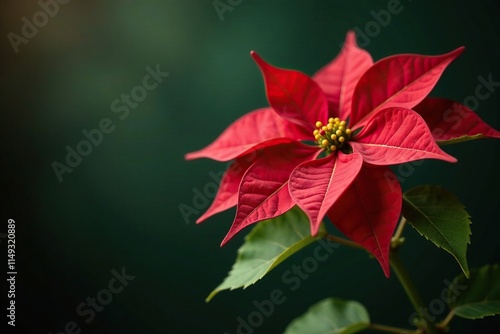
{"points": [[69, 71]]}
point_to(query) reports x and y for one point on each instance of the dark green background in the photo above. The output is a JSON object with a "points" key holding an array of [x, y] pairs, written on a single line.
{"points": [[120, 206]]}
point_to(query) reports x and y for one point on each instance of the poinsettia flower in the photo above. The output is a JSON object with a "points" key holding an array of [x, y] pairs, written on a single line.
{"points": [[359, 115]]}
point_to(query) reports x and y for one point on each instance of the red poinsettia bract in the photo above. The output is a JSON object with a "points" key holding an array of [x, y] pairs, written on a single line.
{"points": [[362, 117]]}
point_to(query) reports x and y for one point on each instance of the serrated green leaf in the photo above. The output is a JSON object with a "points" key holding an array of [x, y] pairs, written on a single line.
{"points": [[440, 217], [478, 296], [331, 316], [268, 244]]}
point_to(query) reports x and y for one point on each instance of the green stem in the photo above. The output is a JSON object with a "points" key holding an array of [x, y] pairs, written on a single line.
{"points": [[390, 329], [403, 277], [406, 282], [396, 240], [343, 241], [410, 289], [444, 324]]}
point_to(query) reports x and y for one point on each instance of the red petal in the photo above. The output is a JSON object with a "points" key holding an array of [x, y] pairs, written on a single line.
{"points": [[339, 77], [368, 211], [315, 185], [293, 95], [255, 130], [397, 81], [227, 195], [397, 135], [263, 190], [450, 120]]}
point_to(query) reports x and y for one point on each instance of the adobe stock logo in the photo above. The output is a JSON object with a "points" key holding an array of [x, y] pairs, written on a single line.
{"points": [[29, 29], [293, 278], [222, 6], [381, 19], [438, 305], [104, 297], [121, 106]]}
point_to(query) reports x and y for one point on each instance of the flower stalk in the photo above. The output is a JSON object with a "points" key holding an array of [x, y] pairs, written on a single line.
{"points": [[443, 325], [410, 289], [397, 240], [343, 241]]}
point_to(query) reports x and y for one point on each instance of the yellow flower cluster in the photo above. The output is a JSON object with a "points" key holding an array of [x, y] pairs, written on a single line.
{"points": [[333, 135]]}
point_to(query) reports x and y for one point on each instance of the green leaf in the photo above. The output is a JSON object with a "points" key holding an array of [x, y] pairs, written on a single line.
{"points": [[439, 216], [331, 316], [268, 244], [478, 296]]}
